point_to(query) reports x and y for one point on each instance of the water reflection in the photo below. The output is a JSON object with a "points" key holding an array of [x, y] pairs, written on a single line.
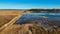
{"points": [[47, 18]]}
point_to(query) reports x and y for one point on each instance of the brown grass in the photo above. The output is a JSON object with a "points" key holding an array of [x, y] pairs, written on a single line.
{"points": [[6, 16], [10, 13], [5, 19], [28, 29]]}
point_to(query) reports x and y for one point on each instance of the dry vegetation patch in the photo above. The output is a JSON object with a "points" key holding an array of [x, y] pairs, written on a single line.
{"points": [[7, 16], [5, 19]]}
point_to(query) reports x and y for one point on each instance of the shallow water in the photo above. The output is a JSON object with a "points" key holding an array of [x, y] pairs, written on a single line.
{"points": [[51, 17]]}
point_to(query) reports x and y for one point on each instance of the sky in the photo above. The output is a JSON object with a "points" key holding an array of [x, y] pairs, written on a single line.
{"points": [[29, 4]]}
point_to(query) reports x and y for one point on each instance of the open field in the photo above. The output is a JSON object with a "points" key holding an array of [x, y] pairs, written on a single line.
{"points": [[10, 12], [7, 18]]}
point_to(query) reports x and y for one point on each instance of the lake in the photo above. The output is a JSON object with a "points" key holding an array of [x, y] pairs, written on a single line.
{"points": [[52, 18]]}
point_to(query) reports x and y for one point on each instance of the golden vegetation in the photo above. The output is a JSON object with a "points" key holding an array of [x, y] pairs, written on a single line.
{"points": [[5, 19], [7, 16], [29, 29], [10, 12]]}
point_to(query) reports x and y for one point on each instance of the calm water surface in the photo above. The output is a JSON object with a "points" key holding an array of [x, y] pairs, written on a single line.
{"points": [[51, 17]]}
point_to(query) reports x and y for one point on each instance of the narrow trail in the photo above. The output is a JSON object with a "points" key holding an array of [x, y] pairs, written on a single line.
{"points": [[6, 26]]}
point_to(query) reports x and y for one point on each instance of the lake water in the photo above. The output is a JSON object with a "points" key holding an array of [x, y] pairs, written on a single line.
{"points": [[51, 17]]}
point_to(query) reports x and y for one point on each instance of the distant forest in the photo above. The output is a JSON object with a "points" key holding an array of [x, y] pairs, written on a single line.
{"points": [[45, 10]]}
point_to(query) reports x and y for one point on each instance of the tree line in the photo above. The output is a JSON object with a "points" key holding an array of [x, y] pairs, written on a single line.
{"points": [[45, 10]]}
